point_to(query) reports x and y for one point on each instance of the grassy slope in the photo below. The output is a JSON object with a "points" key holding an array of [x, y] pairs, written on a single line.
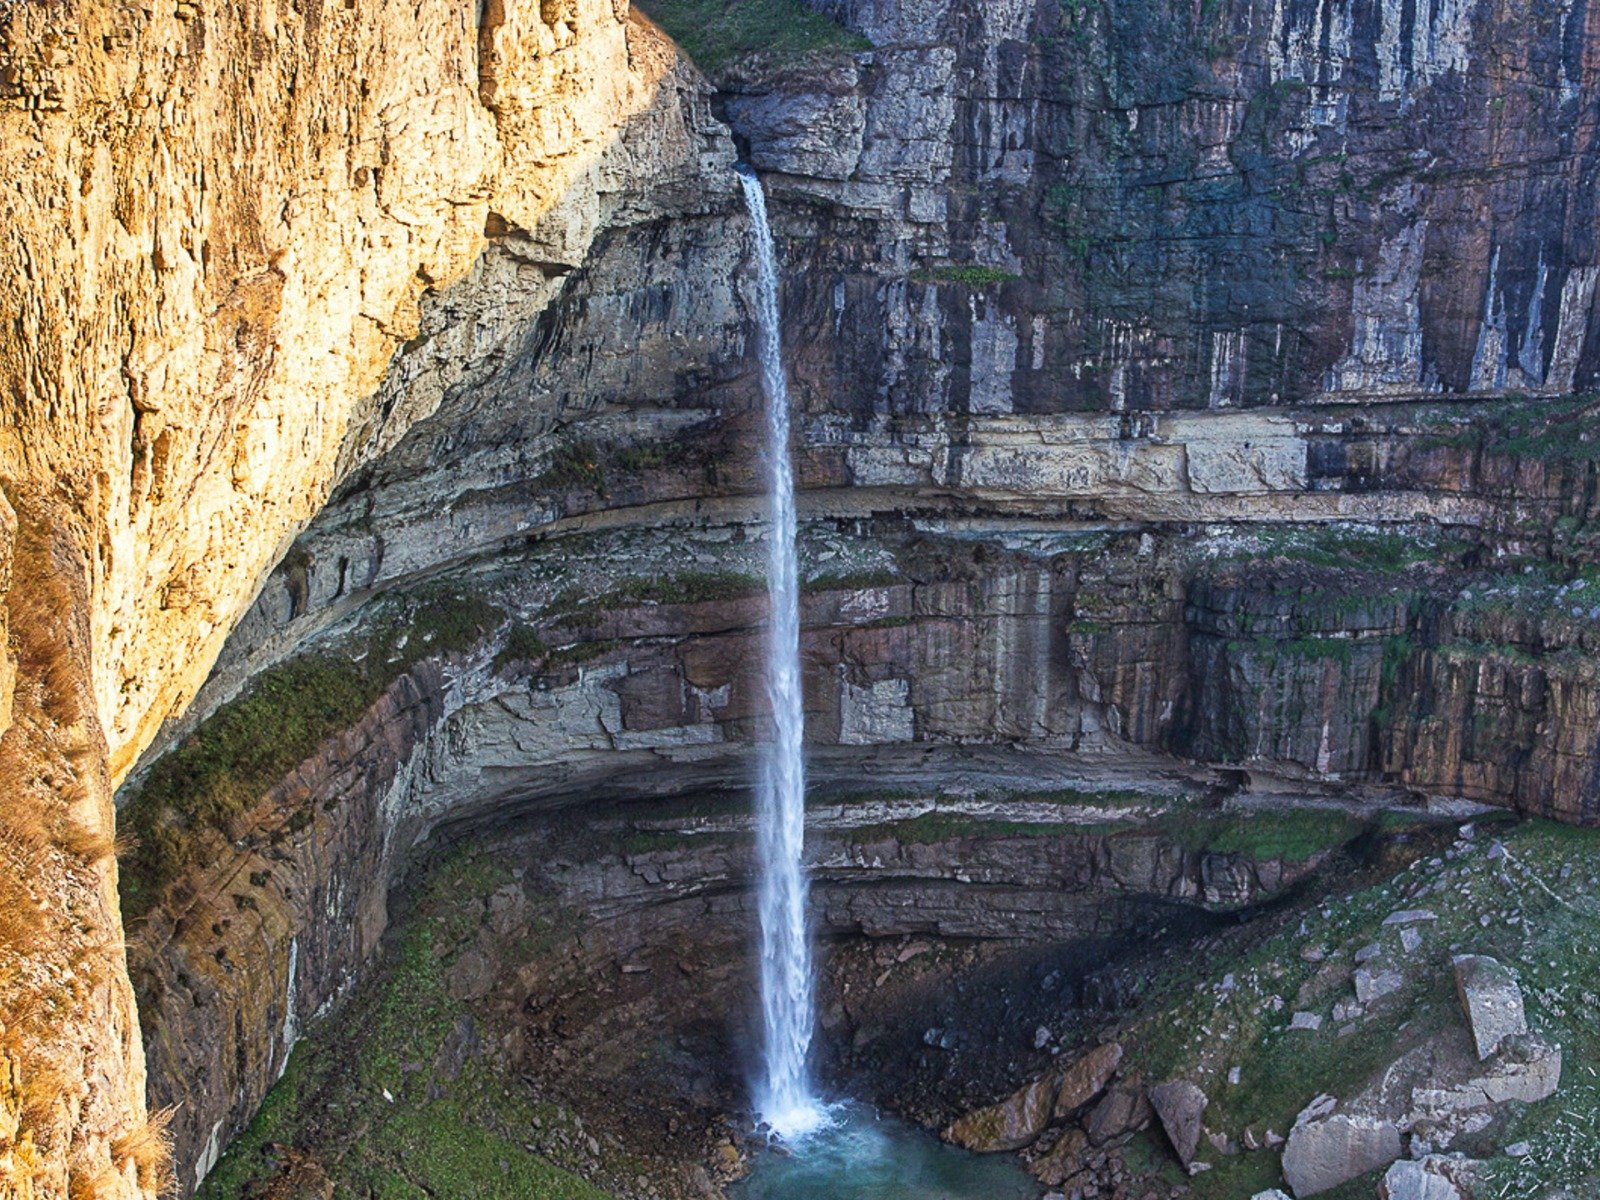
{"points": [[249, 744], [470, 1141], [1190, 1026], [717, 32]]}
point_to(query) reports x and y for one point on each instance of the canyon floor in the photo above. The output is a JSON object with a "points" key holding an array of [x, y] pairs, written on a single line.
{"points": [[564, 1011]]}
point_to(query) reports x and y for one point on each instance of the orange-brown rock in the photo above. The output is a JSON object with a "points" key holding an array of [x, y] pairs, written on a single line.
{"points": [[219, 222], [1087, 1078], [1011, 1124]]}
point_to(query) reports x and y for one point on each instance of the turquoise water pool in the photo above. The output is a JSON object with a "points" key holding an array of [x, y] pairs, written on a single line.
{"points": [[864, 1156]]}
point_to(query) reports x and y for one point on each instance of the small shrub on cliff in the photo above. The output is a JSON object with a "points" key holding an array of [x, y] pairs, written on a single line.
{"points": [[523, 644], [573, 466], [148, 1146]]}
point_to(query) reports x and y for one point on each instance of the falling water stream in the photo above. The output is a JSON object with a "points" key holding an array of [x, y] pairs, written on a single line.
{"points": [[784, 1099], [835, 1151]]}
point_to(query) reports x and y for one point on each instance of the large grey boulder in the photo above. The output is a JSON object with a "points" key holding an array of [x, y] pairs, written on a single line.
{"points": [[1411, 1179], [1180, 1105], [1434, 1177], [1528, 1069], [1374, 985], [1491, 999], [1326, 1150], [1122, 1109]]}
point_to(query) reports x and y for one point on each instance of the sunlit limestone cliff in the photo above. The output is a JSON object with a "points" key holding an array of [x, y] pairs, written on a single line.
{"points": [[219, 223]]}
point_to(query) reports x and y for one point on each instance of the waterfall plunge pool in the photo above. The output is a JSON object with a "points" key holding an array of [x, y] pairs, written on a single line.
{"points": [[865, 1156]]}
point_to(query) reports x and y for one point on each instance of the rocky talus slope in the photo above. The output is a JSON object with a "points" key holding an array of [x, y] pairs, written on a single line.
{"points": [[219, 222], [1194, 379]]}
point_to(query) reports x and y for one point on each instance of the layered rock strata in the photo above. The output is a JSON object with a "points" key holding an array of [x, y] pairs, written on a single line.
{"points": [[220, 222]]}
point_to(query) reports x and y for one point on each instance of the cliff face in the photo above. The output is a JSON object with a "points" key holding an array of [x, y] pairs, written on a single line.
{"points": [[1082, 302], [219, 224], [1228, 204], [1153, 363]]}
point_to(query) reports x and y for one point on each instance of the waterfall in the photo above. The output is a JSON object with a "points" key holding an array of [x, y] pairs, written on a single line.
{"points": [[784, 1098]]}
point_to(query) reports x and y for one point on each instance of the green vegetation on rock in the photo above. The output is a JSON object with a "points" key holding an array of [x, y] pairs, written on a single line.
{"points": [[1267, 834], [971, 276], [523, 644], [1560, 430], [686, 587], [394, 1098], [716, 33], [1526, 894], [249, 744], [575, 465], [1345, 547]]}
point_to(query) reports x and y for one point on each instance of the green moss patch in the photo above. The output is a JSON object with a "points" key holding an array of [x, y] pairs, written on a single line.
{"points": [[393, 1099], [967, 275], [1267, 834], [523, 644], [1375, 550], [249, 744], [716, 33]]}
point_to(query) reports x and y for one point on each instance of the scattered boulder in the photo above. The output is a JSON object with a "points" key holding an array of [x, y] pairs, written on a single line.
{"points": [[1373, 985], [1180, 1106], [1492, 1001], [1087, 1078], [1433, 1177], [1326, 1151], [471, 976], [1121, 1110], [509, 910], [1529, 1070], [1274, 1194], [1063, 1161], [1413, 1179], [1441, 1091], [1308, 1021], [1410, 916], [1012, 1124]]}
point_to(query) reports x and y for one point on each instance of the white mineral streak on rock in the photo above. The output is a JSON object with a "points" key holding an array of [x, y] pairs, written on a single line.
{"points": [[994, 357], [1385, 352], [1439, 39], [878, 713], [1227, 367], [1313, 47], [1577, 299], [208, 1156], [1489, 360], [1529, 370], [291, 1021]]}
